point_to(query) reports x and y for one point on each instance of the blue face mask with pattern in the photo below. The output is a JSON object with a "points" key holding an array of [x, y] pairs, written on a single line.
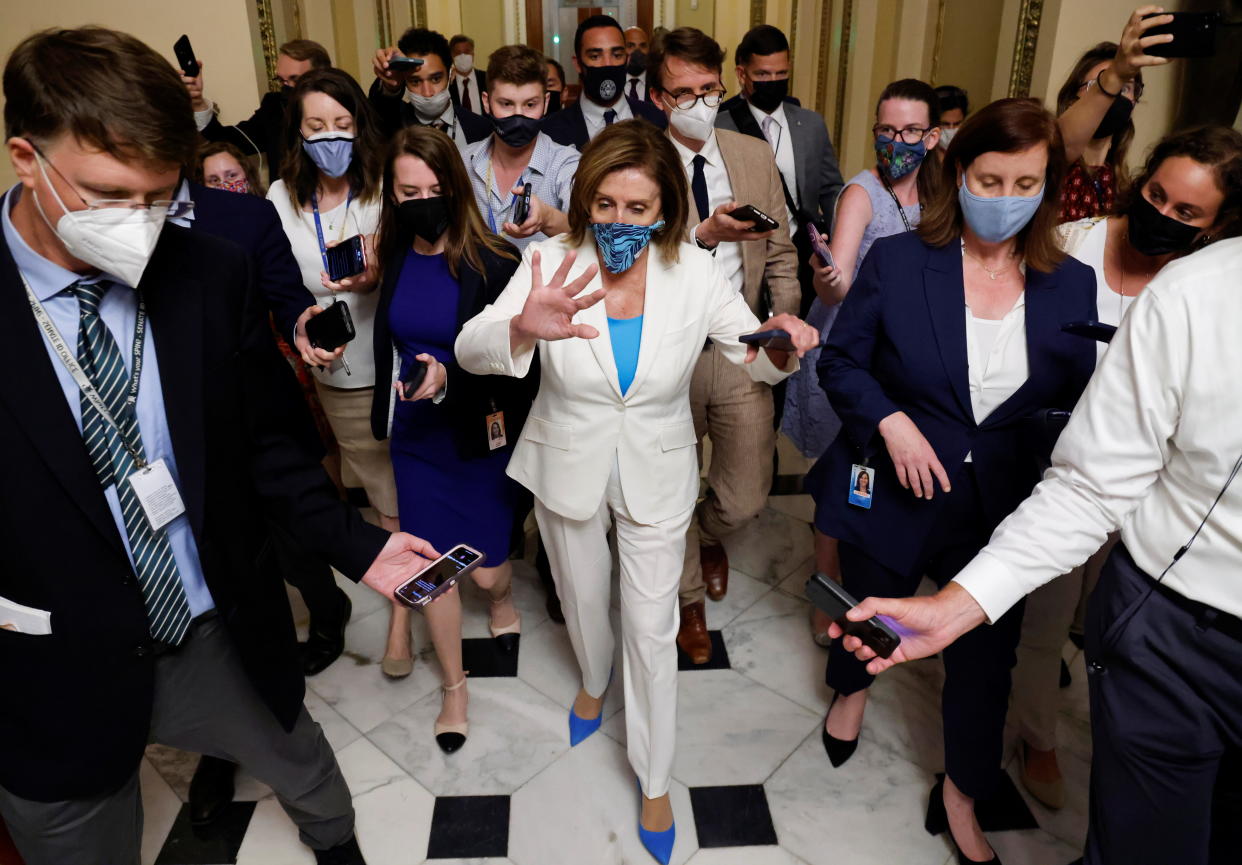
{"points": [[620, 243], [896, 158]]}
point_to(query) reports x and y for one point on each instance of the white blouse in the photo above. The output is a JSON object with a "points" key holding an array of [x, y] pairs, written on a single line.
{"points": [[996, 362], [340, 223]]}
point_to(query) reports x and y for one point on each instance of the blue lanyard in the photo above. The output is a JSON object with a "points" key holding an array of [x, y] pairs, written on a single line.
{"points": [[323, 247], [491, 217]]}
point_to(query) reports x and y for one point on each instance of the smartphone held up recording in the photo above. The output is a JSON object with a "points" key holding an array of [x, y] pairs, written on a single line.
{"points": [[346, 259], [875, 634], [1194, 34], [820, 248], [750, 213], [185, 57], [439, 576]]}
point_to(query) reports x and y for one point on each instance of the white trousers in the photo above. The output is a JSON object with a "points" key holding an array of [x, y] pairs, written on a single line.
{"points": [[651, 559]]}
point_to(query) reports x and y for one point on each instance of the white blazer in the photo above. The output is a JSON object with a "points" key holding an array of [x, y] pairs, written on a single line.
{"points": [[580, 423]]}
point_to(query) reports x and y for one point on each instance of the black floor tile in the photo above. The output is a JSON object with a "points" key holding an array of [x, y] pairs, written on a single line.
{"points": [[216, 844], [464, 827], [787, 485], [483, 659], [1004, 811], [720, 656], [734, 816]]}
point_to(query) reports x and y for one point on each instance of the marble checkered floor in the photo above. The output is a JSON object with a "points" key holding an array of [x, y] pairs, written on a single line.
{"points": [[752, 785]]}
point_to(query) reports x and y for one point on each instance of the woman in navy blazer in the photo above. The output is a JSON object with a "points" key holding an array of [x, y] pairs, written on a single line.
{"points": [[947, 346]]}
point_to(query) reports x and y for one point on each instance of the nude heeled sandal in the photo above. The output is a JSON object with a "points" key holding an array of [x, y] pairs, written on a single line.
{"points": [[506, 637], [450, 737]]}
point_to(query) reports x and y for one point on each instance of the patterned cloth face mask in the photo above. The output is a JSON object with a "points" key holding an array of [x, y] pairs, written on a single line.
{"points": [[241, 185], [896, 158], [620, 243]]}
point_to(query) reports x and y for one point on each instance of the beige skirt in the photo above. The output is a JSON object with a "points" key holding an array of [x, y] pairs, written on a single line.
{"points": [[367, 460]]}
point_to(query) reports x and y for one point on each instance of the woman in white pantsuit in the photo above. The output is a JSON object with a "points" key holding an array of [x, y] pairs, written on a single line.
{"points": [[610, 436]]}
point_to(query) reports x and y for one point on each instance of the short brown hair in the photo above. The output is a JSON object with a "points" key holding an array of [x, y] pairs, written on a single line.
{"points": [[517, 64], [106, 89], [685, 43], [214, 148], [459, 39], [307, 49], [1005, 126], [632, 144]]}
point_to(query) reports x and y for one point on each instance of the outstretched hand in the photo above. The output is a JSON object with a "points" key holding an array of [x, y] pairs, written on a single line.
{"points": [[551, 307], [1132, 53], [401, 558], [926, 625]]}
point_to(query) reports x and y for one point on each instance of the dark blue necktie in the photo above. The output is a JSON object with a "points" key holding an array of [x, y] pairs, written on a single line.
{"points": [[698, 185], [609, 117]]}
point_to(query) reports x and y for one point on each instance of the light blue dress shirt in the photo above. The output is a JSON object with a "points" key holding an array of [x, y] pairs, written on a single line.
{"points": [[119, 311], [626, 335], [550, 175]]}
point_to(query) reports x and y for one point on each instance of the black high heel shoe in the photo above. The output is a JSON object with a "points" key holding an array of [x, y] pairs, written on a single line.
{"points": [[839, 750], [934, 818]]}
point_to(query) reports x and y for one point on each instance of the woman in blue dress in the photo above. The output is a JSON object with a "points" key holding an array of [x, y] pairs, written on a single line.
{"points": [[452, 436]]}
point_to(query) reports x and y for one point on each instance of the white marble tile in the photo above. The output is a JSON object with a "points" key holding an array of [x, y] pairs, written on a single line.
{"points": [[490, 860], [770, 643], [584, 809], [1068, 824], [770, 546], [354, 685], [743, 592], [871, 809], [394, 811], [514, 732], [1032, 847], [336, 729], [272, 838], [799, 506], [528, 597], [730, 730], [160, 806], [903, 713], [365, 599], [795, 584], [767, 855], [547, 663]]}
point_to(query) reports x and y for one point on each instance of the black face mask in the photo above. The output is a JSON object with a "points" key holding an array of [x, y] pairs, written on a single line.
{"points": [[1153, 233], [636, 64], [554, 101], [1115, 119], [768, 95], [427, 218], [517, 130], [602, 84]]}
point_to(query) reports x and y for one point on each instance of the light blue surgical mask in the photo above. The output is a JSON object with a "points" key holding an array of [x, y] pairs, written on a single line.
{"points": [[620, 243], [1000, 218], [330, 151]]}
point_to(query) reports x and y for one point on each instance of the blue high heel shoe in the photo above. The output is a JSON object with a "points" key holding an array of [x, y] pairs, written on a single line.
{"points": [[658, 844], [580, 728]]}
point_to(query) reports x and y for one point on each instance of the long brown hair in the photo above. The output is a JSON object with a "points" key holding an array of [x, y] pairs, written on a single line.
{"points": [[466, 232], [299, 171], [1004, 126], [1068, 95], [632, 144], [913, 89]]}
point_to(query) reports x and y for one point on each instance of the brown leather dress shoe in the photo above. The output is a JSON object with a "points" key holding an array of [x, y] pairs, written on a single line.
{"points": [[692, 636], [715, 570]]}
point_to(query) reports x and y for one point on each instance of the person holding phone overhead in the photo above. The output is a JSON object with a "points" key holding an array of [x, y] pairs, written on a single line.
{"points": [[328, 192], [879, 201], [949, 339], [610, 437], [452, 432]]}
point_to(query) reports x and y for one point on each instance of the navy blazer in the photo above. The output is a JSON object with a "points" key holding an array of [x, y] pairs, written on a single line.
{"points": [[253, 224], [899, 344], [568, 126]]}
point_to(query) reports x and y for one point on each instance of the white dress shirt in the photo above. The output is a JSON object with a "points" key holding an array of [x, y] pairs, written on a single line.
{"points": [[777, 133], [468, 84], [719, 191], [448, 117], [1148, 448], [593, 114], [641, 78], [340, 223]]}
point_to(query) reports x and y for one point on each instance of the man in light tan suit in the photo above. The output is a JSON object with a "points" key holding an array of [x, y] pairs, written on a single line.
{"points": [[726, 170]]}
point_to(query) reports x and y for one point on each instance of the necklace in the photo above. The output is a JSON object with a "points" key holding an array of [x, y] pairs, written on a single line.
{"points": [[992, 274]]}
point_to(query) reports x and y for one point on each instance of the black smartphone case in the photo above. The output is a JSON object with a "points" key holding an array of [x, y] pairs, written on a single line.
{"points": [[185, 56], [331, 328], [877, 636], [346, 259], [414, 377], [521, 209]]}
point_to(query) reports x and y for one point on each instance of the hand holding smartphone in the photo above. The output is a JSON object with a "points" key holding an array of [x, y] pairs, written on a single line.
{"points": [[750, 213], [185, 57], [1194, 34], [821, 250], [439, 576], [875, 634], [775, 339], [521, 207], [348, 258], [331, 328], [413, 378]]}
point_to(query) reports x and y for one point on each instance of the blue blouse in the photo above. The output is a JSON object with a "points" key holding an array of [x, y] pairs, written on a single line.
{"points": [[626, 334]]}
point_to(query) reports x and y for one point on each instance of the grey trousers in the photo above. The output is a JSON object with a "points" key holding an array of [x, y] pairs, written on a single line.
{"points": [[205, 703]]}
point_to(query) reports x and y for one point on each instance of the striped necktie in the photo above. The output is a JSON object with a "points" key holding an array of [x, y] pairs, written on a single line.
{"points": [[168, 611]]}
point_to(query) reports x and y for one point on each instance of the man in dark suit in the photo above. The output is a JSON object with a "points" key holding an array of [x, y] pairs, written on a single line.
{"points": [[469, 83], [423, 96], [142, 479], [810, 177], [600, 58], [264, 132]]}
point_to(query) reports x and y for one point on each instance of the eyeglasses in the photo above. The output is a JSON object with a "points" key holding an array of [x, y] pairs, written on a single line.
{"points": [[172, 209], [686, 101], [910, 134], [1132, 90]]}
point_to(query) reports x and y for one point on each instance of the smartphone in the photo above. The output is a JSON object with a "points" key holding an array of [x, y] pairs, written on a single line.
{"points": [[414, 377], [835, 601], [439, 576], [1194, 35], [404, 64], [750, 213], [521, 207], [775, 339], [331, 328], [1097, 330], [820, 248], [185, 57], [346, 259]]}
